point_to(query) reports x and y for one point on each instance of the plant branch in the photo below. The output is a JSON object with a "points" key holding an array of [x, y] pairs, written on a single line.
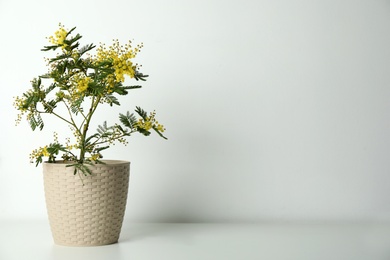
{"points": [[71, 117], [60, 117], [85, 127]]}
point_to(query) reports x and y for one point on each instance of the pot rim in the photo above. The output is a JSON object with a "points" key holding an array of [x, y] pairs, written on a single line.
{"points": [[106, 162]]}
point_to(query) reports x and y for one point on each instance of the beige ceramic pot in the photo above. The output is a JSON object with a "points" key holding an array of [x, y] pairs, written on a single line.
{"points": [[88, 212]]}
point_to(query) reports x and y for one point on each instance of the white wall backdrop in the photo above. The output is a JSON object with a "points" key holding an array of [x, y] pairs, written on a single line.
{"points": [[275, 110]]}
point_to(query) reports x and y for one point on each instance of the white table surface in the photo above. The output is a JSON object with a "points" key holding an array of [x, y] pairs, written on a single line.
{"points": [[22, 240]]}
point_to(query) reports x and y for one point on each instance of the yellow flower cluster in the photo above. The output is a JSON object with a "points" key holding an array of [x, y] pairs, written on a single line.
{"points": [[70, 146], [150, 122], [144, 124], [18, 104], [110, 83], [95, 157], [82, 84], [55, 136], [41, 151], [59, 37], [121, 58]]}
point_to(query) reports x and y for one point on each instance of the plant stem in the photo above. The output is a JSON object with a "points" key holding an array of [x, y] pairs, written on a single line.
{"points": [[85, 127]]}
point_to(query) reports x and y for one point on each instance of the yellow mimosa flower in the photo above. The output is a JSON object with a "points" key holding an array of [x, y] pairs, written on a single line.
{"points": [[95, 157], [45, 152], [82, 84], [59, 37]]}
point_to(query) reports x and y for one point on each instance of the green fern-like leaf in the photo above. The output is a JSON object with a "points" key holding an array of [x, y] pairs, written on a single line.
{"points": [[122, 90], [75, 107], [99, 149], [104, 130], [60, 57], [139, 76], [49, 106], [128, 120], [50, 88], [36, 121], [81, 168], [141, 112], [86, 49], [91, 137], [112, 100], [143, 131], [48, 48], [70, 31]]}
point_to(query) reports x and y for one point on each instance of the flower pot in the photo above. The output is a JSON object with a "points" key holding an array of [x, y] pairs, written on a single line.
{"points": [[87, 212]]}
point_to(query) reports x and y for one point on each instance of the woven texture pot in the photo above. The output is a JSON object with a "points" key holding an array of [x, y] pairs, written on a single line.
{"points": [[88, 212]]}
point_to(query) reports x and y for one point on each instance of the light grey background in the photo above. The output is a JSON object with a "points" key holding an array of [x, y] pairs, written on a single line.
{"points": [[275, 110]]}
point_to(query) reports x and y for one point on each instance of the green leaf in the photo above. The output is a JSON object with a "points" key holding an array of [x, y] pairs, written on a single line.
{"points": [[40, 122], [128, 120], [111, 100], [35, 121], [140, 76], [104, 130], [99, 149], [159, 133], [45, 76], [38, 160], [141, 112], [132, 87], [70, 31], [54, 148], [60, 57], [143, 131], [86, 49], [50, 88], [48, 48], [122, 90], [80, 167], [50, 106], [92, 136], [75, 107]]}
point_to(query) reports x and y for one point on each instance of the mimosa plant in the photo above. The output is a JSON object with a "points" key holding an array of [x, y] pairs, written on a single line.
{"points": [[78, 83]]}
